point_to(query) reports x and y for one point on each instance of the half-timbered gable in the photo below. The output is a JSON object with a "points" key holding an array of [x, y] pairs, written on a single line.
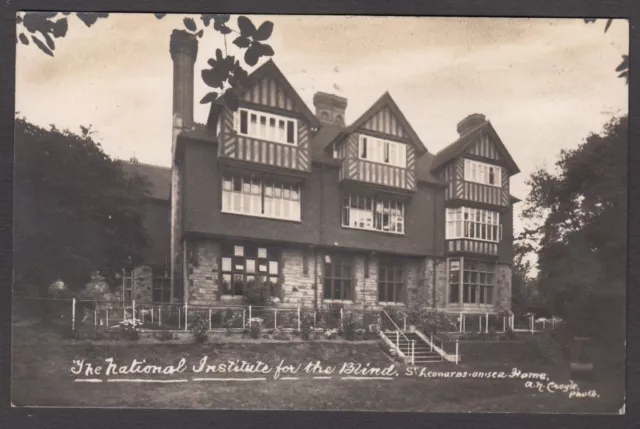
{"points": [[380, 148], [271, 128]]}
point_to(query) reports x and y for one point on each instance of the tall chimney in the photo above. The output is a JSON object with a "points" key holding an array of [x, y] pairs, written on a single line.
{"points": [[184, 49], [470, 122], [330, 108]]}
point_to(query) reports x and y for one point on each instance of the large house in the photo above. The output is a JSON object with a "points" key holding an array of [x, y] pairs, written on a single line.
{"points": [[358, 214]]}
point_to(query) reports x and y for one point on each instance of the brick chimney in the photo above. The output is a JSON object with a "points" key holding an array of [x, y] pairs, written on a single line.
{"points": [[330, 108], [470, 122], [184, 49]]}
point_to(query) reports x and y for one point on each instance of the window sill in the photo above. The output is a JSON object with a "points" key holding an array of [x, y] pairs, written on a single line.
{"points": [[262, 139], [337, 301], [497, 186], [474, 239], [399, 234], [260, 217], [391, 304]]}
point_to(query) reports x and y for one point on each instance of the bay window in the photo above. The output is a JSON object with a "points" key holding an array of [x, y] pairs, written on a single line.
{"points": [[475, 285], [478, 224], [262, 198], [266, 126], [376, 214], [481, 172], [382, 151]]}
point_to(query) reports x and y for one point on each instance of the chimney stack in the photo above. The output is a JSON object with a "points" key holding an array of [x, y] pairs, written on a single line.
{"points": [[184, 50], [470, 122], [330, 108]]}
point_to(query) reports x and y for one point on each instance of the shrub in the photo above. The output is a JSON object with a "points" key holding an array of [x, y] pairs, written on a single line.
{"points": [[330, 334], [129, 329], [199, 327], [69, 333], [280, 334], [306, 325], [230, 321], [163, 335], [255, 328], [349, 326]]}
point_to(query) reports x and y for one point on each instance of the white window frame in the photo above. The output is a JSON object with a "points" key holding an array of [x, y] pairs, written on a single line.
{"points": [[369, 214], [261, 198], [382, 151], [479, 172], [473, 224], [266, 133]]}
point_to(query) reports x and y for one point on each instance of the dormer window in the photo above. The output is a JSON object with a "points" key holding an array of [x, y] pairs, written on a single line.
{"points": [[481, 172], [382, 151], [266, 126]]}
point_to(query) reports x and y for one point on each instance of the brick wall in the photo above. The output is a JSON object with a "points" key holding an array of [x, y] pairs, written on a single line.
{"points": [[503, 287], [366, 288]]}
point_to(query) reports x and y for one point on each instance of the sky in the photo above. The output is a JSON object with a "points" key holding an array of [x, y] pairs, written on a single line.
{"points": [[545, 84]]}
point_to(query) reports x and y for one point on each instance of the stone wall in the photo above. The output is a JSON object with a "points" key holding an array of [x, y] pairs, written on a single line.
{"points": [[202, 271], [297, 278], [301, 274], [503, 287]]}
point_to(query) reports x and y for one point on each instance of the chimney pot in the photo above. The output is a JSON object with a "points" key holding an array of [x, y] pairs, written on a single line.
{"points": [[330, 108], [470, 122]]}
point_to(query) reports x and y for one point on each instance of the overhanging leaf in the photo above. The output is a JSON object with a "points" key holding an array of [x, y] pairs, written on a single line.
{"points": [[624, 64], [231, 100], [160, 15], [24, 39], [264, 31], [247, 29], [49, 41], [251, 56], [209, 98], [59, 28], [242, 42], [200, 33], [42, 46], [190, 24], [606, 27]]}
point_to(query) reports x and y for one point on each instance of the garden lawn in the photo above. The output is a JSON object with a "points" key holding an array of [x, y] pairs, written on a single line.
{"points": [[42, 361]]}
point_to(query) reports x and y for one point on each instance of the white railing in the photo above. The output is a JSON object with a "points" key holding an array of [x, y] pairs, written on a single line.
{"points": [[398, 333]]}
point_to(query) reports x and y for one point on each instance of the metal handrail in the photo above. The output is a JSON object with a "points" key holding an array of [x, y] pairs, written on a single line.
{"points": [[398, 331]]}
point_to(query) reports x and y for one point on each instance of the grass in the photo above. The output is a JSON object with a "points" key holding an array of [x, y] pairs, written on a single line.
{"points": [[41, 377]]}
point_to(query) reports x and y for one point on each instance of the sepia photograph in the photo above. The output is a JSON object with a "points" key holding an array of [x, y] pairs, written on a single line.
{"points": [[320, 212]]}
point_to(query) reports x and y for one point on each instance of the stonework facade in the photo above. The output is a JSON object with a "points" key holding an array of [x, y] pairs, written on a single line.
{"points": [[503, 286], [301, 279]]}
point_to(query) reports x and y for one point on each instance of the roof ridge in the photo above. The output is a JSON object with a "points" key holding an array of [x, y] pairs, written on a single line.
{"points": [[146, 164]]}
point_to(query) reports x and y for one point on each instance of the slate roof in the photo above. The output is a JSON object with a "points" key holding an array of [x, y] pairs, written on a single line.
{"points": [[158, 176]]}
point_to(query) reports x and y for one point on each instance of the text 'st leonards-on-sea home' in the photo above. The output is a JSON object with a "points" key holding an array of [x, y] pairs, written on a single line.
{"points": [[325, 213]]}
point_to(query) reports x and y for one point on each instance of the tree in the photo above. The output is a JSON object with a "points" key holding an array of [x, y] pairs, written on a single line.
{"points": [[225, 72], [76, 209], [581, 212], [525, 297]]}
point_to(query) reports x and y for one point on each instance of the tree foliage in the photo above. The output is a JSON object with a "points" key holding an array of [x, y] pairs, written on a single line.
{"points": [[581, 237], [226, 74], [77, 210], [623, 67]]}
